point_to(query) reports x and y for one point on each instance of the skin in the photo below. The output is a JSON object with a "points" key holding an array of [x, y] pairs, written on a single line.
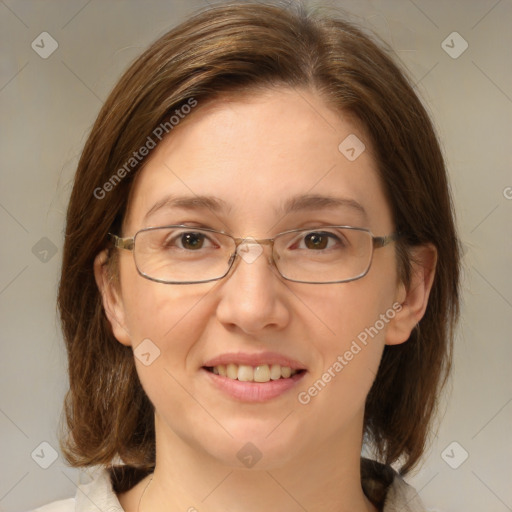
{"points": [[254, 152]]}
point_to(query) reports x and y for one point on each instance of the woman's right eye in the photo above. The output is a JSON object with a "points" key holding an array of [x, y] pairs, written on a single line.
{"points": [[187, 240], [192, 240]]}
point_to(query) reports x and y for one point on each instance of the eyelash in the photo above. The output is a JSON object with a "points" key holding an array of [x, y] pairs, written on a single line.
{"points": [[331, 237]]}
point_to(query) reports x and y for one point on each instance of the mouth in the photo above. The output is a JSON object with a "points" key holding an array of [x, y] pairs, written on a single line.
{"points": [[256, 377], [248, 384], [261, 374]]}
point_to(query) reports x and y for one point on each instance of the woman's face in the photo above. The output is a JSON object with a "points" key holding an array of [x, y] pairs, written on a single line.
{"points": [[253, 155]]}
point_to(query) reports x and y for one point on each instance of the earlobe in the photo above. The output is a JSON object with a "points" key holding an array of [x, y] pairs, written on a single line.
{"points": [[111, 298], [413, 301]]}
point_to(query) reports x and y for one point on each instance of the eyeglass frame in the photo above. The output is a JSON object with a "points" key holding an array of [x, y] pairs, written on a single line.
{"points": [[128, 243]]}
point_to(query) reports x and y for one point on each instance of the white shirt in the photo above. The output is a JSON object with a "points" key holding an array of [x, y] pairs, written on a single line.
{"points": [[99, 495]]}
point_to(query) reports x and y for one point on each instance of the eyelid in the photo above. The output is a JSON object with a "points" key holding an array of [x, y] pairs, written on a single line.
{"points": [[184, 225], [175, 239], [313, 227]]}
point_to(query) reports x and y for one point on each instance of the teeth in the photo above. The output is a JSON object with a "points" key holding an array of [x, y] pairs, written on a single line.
{"points": [[232, 371], [246, 373], [262, 373], [275, 372]]}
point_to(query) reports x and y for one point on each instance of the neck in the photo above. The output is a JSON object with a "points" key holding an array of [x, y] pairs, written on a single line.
{"points": [[325, 477]]}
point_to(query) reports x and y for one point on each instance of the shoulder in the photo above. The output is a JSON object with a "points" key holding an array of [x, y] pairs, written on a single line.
{"points": [[94, 495], [387, 489]]}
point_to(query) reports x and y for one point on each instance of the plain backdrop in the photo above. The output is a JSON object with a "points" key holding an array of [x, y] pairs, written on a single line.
{"points": [[47, 107]]}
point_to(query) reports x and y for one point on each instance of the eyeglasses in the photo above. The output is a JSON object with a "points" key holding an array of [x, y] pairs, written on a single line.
{"points": [[181, 254]]}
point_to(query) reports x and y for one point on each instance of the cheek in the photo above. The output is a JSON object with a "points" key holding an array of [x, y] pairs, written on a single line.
{"points": [[165, 323], [335, 393], [171, 316], [354, 318], [349, 311]]}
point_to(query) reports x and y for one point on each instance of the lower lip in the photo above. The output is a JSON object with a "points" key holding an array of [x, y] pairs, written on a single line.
{"points": [[253, 391]]}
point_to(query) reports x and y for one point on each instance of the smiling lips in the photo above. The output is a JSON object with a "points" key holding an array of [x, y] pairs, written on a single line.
{"points": [[247, 373], [266, 368]]}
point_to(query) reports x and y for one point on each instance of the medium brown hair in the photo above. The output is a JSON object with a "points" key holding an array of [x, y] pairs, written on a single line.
{"points": [[220, 51]]}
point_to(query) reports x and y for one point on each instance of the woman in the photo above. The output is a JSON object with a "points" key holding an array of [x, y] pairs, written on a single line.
{"points": [[260, 271]]}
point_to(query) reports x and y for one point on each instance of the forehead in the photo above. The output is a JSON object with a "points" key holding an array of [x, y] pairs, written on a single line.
{"points": [[257, 154]]}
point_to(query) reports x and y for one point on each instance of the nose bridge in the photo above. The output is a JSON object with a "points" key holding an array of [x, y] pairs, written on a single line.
{"points": [[250, 298], [251, 240], [250, 249]]}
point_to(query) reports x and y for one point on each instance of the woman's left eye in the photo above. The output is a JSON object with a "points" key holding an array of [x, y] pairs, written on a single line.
{"points": [[318, 240]]}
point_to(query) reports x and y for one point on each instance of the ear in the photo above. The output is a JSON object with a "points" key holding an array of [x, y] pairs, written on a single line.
{"points": [[413, 301], [111, 297]]}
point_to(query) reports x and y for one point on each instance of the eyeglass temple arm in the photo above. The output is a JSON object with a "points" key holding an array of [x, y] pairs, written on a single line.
{"points": [[121, 243], [381, 241]]}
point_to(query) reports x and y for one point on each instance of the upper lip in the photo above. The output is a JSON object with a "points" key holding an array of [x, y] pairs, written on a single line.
{"points": [[257, 359]]}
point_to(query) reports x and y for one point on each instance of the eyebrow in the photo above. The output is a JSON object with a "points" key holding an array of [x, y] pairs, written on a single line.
{"points": [[297, 203], [321, 202], [211, 203]]}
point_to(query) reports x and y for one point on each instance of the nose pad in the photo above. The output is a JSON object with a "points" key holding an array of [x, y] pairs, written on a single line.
{"points": [[250, 250]]}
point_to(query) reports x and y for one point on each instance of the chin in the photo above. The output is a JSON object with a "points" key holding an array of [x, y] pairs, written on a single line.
{"points": [[257, 444]]}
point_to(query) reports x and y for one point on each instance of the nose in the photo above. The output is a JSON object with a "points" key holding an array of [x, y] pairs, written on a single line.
{"points": [[253, 295]]}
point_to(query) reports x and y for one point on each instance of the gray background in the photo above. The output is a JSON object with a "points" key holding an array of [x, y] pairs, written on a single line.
{"points": [[47, 107]]}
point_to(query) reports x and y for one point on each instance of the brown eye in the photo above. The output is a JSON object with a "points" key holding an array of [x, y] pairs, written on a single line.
{"points": [[316, 241], [192, 240]]}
